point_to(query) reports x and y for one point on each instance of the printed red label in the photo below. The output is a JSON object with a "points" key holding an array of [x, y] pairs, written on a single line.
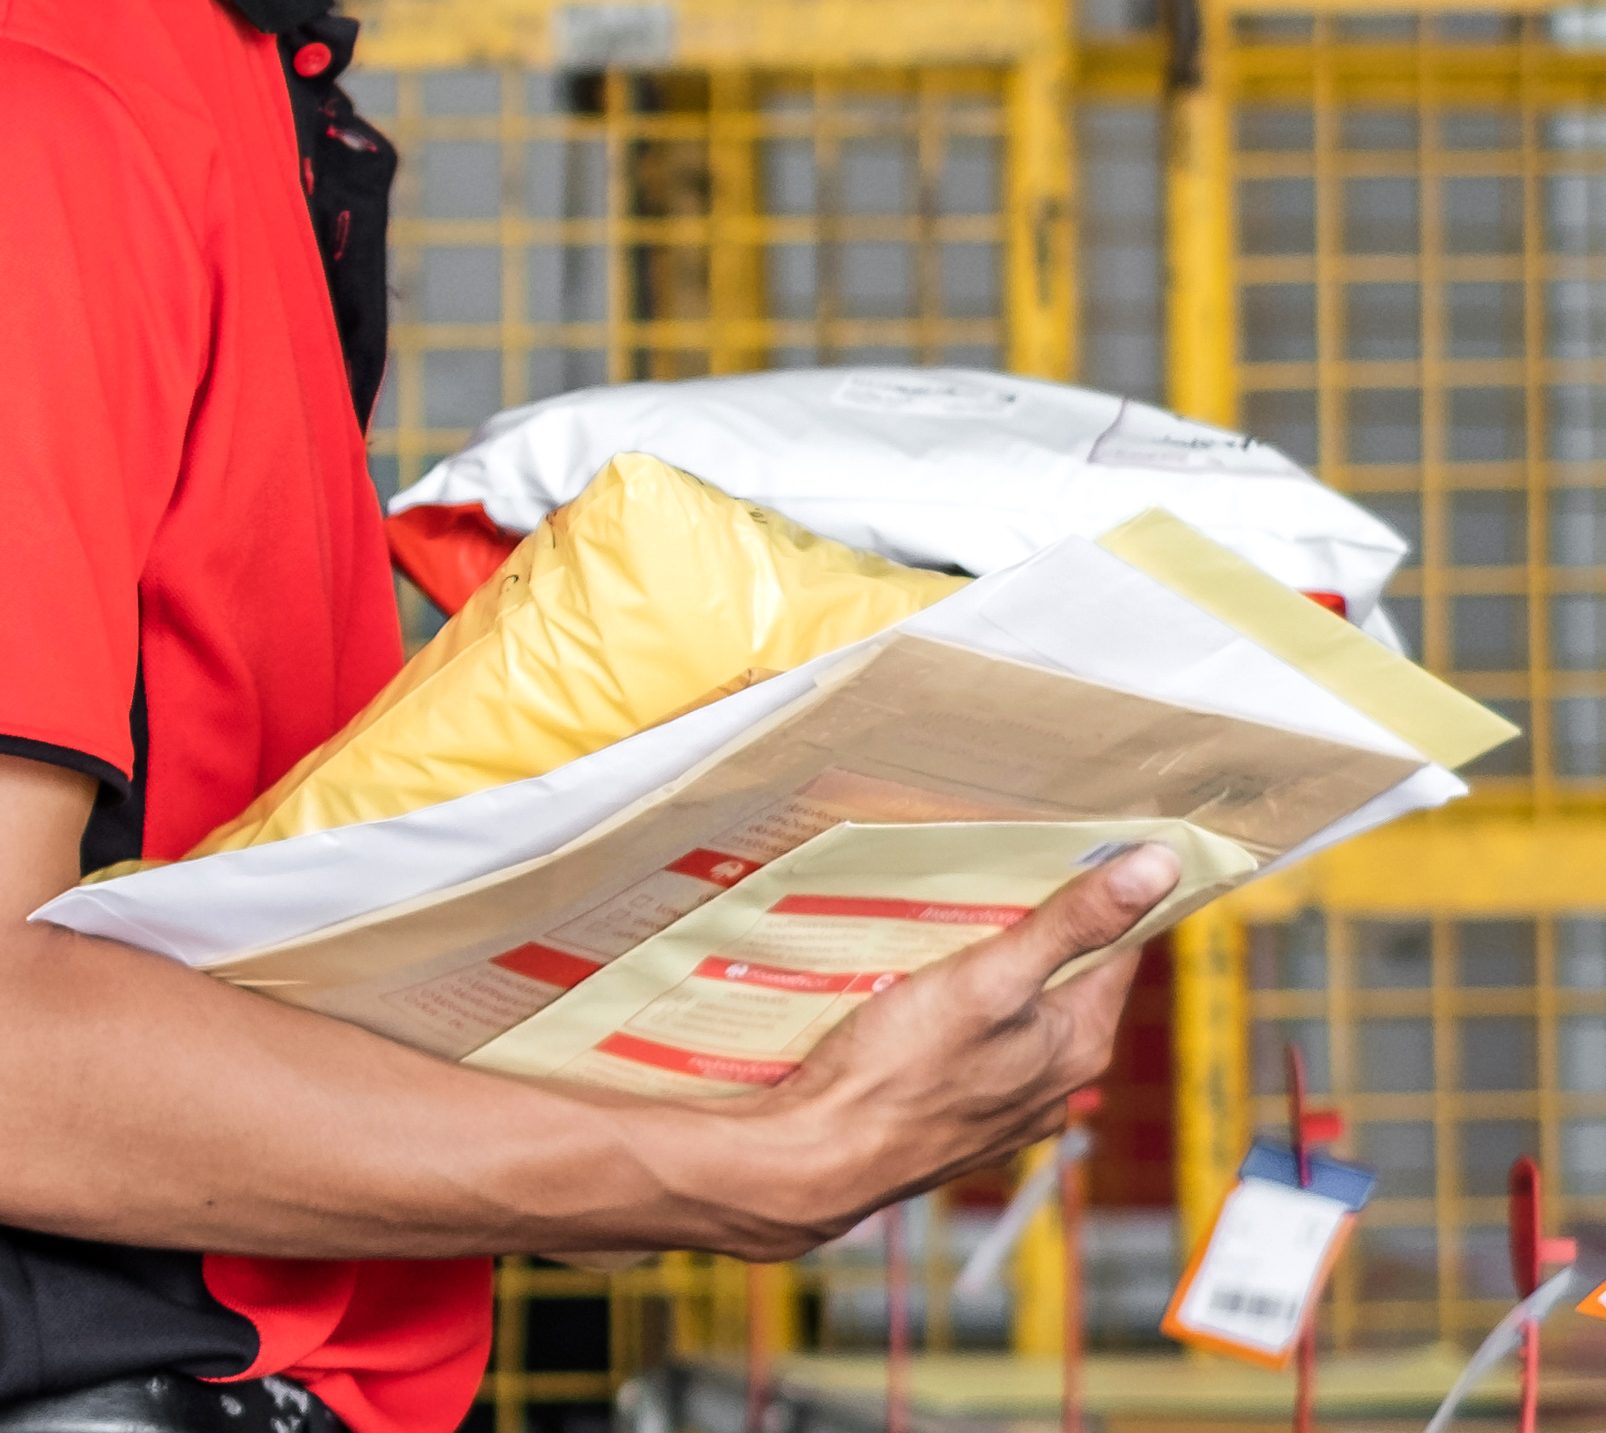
{"points": [[715, 867], [865, 908], [551, 967], [695, 1062]]}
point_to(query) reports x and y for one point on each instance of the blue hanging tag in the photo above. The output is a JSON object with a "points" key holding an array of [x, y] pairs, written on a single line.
{"points": [[1349, 1184]]}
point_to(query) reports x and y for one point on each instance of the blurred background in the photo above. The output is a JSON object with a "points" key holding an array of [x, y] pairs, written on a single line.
{"points": [[1370, 235]]}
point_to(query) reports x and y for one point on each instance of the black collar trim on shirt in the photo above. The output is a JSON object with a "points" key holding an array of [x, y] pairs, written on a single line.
{"points": [[278, 17]]}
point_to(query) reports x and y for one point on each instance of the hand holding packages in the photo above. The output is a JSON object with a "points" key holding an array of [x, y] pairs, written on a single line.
{"points": [[1152, 677]]}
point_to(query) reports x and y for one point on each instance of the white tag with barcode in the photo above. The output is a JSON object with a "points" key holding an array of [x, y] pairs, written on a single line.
{"points": [[1249, 1288]]}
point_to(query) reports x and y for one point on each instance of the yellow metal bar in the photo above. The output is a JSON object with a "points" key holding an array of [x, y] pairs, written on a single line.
{"points": [[670, 179], [511, 165], [1040, 265], [1201, 317], [627, 1336], [938, 1273], [437, 34], [507, 1361], [694, 231], [1210, 1028], [1481, 865], [1434, 338], [1125, 69], [735, 259], [517, 1390], [517, 1277], [696, 34], [1536, 432], [1388, 72], [1391, 8], [1038, 1312], [1332, 430], [1446, 1131], [775, 1288], [617, 103], [826, 92], [727, 1279], [691, 124], [691, 1332]]}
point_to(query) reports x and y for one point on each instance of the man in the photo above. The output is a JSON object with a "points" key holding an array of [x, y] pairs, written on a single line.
{"points": [[196, 593]]}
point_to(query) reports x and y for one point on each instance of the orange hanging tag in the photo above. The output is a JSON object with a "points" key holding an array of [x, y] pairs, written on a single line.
{"points": [[1251, 1284], [1594, 1305]]}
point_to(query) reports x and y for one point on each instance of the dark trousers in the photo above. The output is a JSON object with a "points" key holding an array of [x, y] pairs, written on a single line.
{"points": [[171, 1403]]}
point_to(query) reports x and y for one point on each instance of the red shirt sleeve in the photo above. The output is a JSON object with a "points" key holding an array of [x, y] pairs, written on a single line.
{"points": [[103, 322]]}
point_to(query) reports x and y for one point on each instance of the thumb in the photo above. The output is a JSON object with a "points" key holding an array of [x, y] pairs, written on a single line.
{"points": [[1093, 911]]}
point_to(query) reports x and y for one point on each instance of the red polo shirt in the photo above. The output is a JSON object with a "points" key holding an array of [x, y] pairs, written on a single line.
{"points": [[187, 535]]}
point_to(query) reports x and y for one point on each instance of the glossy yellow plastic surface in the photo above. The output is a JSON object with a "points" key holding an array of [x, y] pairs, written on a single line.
{"points": [[648, 595]]}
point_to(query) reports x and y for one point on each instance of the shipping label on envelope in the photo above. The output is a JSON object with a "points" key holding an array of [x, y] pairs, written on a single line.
{"points": [[735, 994]]}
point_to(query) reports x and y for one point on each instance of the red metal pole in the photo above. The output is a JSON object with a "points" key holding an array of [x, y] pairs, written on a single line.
{"points": [[1525, 1226], [898, 1341], [1082, 1105], [1305, 1355], [758, 1351], [1531, 1251], [1528, 1408], [1071, 1227]]}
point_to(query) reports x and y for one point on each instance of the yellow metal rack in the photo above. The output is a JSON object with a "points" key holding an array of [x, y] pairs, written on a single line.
{"points": [[1373, 236], [1385, 237]]}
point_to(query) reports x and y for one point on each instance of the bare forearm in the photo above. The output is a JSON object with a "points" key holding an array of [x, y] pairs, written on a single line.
{"points": [[148, 1104], [143, 1103]]}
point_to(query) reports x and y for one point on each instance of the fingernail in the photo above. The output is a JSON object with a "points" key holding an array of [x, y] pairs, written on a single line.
{"points": [[1142, 876]]}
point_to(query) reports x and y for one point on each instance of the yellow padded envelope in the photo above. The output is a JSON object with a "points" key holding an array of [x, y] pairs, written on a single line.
{"points": [[650, 593]]}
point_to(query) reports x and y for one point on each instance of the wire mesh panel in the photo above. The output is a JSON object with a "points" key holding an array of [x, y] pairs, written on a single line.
{"points": [[1406, 209], [1455, 1013], [559, 227], [1419, 215]]}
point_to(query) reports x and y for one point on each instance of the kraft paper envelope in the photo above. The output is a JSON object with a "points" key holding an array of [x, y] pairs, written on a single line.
{"points": [[1075, 607]]}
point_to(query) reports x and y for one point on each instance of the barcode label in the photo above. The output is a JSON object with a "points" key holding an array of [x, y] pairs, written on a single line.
{"points": [[1267, 1308], [1252, 1285]]}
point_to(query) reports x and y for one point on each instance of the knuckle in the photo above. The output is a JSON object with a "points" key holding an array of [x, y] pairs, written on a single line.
{"points": [[1088, 1055], [989, 996], [1099, 1045], [1092, 1062]]}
